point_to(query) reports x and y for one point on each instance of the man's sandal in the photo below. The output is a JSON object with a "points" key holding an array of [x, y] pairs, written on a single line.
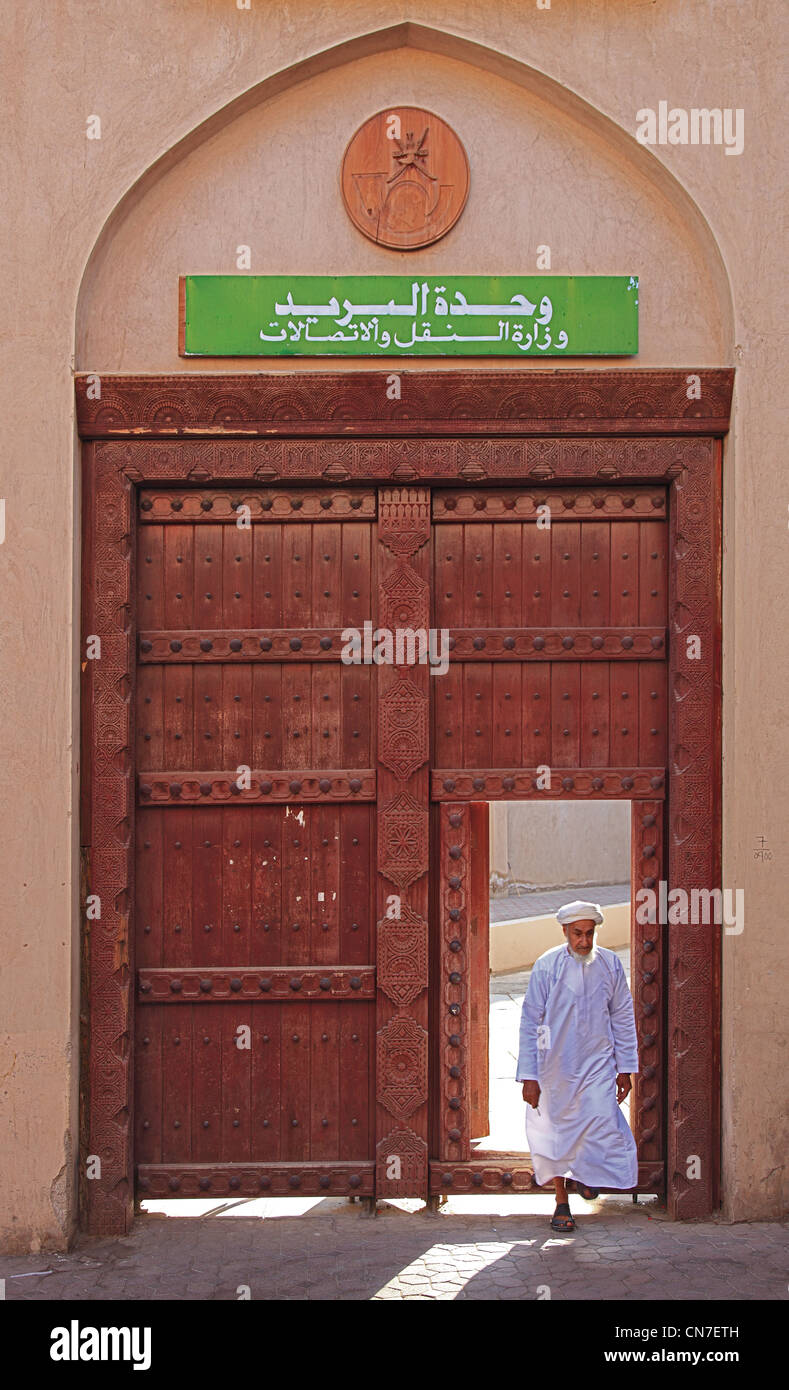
{"points": [[562, 1219], [589, 1194]]}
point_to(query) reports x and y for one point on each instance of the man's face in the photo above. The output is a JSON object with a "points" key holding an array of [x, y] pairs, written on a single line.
{"points": [[580, 936]]}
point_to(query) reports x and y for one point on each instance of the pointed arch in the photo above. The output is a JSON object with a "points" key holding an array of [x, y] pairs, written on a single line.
{"points": [[429, 39]]}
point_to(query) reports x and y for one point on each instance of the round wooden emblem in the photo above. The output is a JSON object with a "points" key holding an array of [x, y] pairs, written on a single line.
{"points": [[404, 178]]}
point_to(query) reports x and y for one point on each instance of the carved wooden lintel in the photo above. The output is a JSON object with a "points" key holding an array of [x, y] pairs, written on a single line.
{"points": [[635, 401]]}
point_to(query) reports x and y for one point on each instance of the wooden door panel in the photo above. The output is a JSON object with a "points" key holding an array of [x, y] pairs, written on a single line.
{"points": [[536, 739], [176, 1057], [478, 582], [180, 716], [176, 935], [507, 580], [266, 930], [624, 706], [208, 1080], [208, 914], [237, 585], [624, 574], [357, 844], [560, 660], [205, 702], [270, 716], [243, 885], [477, 709], [232, 1097], [653, 572], [356, 1032], [357, 730], [653, 714], [266, 1082], [267, 577], [593, 585], [505, 714], [447, 572], [149, 1092], [537, 576], [205, 574], [566, 574], [299, 1091], [254, 907], [595, 578], [151, 601], [565, 715], [185, 604], [595, 715]]}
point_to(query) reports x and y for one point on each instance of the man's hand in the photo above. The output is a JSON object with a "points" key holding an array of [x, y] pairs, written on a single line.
{"points": [[531, 1093], [624, 1086]]}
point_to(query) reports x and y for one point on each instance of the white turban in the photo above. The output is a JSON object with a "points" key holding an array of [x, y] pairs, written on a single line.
{"points": [[579, 912]]}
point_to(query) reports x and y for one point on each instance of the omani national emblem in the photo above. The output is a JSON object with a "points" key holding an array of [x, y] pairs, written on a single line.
{"points": [[405, 178]]}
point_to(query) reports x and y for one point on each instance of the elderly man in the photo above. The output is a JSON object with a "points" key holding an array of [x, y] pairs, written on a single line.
{"points": [[578, 1048]]}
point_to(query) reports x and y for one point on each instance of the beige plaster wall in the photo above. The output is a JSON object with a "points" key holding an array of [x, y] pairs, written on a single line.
{"points": [[270, 180], [565, 82], [516, 944], [556, 843]]}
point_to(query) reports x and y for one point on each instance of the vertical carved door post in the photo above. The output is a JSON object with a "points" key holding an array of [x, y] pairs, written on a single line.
{"points": [[647, 975], [403, 838], [694, 832]]}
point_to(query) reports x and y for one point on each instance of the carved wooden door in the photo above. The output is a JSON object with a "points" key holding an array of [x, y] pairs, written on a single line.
{"points": [[610, 467], [285, 1037], [556, 605], [255, 892]]}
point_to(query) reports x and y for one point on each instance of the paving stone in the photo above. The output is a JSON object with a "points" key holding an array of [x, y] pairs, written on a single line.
{"points": [[334, 1254]]}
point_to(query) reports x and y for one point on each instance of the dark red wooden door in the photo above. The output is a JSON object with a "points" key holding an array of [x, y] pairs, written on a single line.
{"points": [[255, 912], [283, 914], [556, 604]]}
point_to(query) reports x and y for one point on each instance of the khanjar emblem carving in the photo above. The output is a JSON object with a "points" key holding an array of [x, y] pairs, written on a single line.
{"points": [[405, 178]]}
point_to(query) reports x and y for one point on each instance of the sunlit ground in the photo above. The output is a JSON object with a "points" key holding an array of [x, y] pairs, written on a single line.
{"points": [[484, 1204], [267, 1207]]}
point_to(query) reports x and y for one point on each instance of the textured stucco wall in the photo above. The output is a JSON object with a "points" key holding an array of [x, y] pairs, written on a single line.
{"points": [[269, 179], [516, 944], [555, 843], [547, 96]]}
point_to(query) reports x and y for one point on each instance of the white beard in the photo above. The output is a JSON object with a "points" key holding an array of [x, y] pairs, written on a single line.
{"points": [[584, 960]]}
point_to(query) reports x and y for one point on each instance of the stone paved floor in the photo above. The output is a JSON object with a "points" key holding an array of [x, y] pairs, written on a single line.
{"points": [[488, 1248], [511, 907], [334, 1251]]}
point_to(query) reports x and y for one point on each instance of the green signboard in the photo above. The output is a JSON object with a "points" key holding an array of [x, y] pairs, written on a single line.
{"points": [[409, 316]]}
